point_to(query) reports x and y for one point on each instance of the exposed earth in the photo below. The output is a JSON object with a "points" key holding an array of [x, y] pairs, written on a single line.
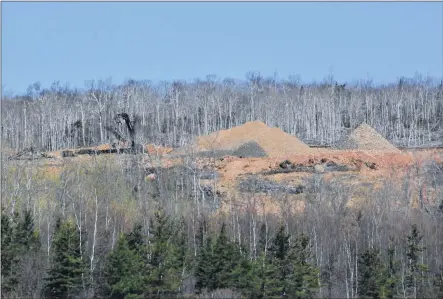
{"points": [[261, 167]]}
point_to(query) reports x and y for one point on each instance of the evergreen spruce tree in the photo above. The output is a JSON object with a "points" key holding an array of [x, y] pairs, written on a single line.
{"points": [[165, 271], [26, 238], [304, 276], [287, 271], [177, 258], [245, 277], [123, 273], [370, 274], [103, 250], [257, 277], [67, 266], [204, 270], [20, 244], [261, 239], [221, 266], [202, 230], [277, 270], [415, 280], [28, 249], [8, 256], [135, 238], [183, 259], [390, 277], [225, 260], [438, 283], [259, 266]]}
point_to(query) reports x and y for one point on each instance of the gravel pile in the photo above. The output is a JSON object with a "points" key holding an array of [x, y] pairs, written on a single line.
{"points": [[365, 137], [253, 138], [257, 185], [250, 149]]}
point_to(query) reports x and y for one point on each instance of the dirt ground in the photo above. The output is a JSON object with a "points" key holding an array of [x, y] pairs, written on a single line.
{"points": [[231, 170], [369, 166]]}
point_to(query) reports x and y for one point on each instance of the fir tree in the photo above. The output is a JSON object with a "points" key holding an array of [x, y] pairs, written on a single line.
{"points": [[257, 277], [102, 251], [220, 265], [278, 266], [202, 230], [26, 237], [225, 260], [370, 272], [135, 238], [67, 266], [415, 280], [304, 277], [165, 271], [20, 244], [182, 261], [262, 239], [390, 277], [123, 273], [287, 271], [205, 272], [28, 250], [8, 256], [438, 283], [245, 277]]}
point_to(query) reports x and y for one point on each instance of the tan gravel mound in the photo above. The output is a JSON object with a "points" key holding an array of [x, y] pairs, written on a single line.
{"points": [[273, 141], [364, 137]]}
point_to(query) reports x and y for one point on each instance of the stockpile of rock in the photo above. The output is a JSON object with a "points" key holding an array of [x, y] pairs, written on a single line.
{"points": [[253, 139], [364, 137]]}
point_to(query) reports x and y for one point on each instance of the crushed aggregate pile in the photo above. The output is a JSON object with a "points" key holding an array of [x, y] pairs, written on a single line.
{"points": [[364, 137], [255, 139], [250, 149]]}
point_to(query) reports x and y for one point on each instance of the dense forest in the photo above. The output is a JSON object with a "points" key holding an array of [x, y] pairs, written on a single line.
{"points": [[408, 113], [96, 228], [89, 234]]}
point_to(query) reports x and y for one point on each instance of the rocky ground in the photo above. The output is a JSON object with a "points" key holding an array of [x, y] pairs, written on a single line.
{"points": [[254, 161]]}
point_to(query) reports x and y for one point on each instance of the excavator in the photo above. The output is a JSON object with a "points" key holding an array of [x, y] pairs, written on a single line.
{"points": [[131, 129]]}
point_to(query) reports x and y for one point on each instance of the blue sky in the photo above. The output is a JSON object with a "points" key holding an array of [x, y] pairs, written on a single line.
{"points": [[77, 41]]}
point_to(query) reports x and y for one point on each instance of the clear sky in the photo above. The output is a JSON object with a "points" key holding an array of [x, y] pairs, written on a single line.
{"points": [[77, 41]]}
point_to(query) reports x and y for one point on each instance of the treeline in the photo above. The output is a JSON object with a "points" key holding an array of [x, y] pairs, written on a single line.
{"points": [[155, 261], [408, 112]]}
